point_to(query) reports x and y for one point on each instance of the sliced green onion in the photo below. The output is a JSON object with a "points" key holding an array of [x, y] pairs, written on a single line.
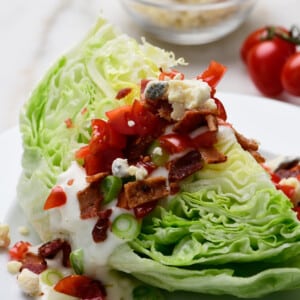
{"points": [[76, 260], [51, 276], [126, 227], [158, 154], [145, 292], [110, 187]]}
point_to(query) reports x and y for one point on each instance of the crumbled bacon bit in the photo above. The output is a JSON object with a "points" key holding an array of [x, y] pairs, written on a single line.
{"points": [[89, 201], [96, 177], [247, 144], [288, 169], [51, 249], [137, 193], [192, 119], [84, 111], [123, 93], [35, 263], [211, 155], [99, 232], [69, 123], [212, 122], [184, 166], [70, 181]]}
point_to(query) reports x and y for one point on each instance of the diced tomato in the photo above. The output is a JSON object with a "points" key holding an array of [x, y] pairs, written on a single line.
{"points": [[69, 123], [120, 119], [297, 210], [82, 152], [145, 120], [143, 84], [171, 75], [18, 251], [174, 142], [213, 74], [57, 197], [104, 136], [123, 93], [133, 119], [82, 287], [288, 190], [205, 139], [221, 109], [102, 161]]}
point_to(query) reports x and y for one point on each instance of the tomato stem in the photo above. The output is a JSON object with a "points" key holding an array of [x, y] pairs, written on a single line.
{"points": [[291, 36]]}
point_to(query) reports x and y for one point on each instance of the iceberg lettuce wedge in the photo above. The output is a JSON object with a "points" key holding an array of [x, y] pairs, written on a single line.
{"points": [[81, 85], [228, 232]]}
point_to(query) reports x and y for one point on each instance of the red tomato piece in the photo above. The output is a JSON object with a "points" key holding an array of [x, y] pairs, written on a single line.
{"points": [[288, 190], [205, 139], [119, 119], [81, 286], [174, 142], [123, 93], [103, 136], [82, 152], [145, 120], [57, 197], [221, 109], [290, 75], [18, 251], [213, 74]]}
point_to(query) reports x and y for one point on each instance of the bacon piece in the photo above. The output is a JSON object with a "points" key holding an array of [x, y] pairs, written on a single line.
{"points": [[51, 249], [89, 201], [96, 177], [212, 122], [161, 108], [193, 119], [137, 147], [139, 192], [288, 169], [211, 155], [249, 145], [99, 232], [184, 166], [33, 262]]}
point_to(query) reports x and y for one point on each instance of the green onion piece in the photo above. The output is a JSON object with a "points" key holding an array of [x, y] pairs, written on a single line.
{"points": [[110, 187], [76, 260], [51, 276], [145, 292], [158, 154], [126, 227]]}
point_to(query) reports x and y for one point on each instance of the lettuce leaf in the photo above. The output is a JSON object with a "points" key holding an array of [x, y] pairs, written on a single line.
{"points": [[80, 86], [229, 231]]}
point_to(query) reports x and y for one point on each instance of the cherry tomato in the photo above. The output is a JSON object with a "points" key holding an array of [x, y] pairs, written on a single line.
{"points": [[260, 35], [290, 75], [57, 197], [265, 53], [265, 62]]}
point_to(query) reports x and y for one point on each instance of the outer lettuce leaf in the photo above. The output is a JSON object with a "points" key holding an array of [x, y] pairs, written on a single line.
{"points": [[229, 231], [82, 85]]}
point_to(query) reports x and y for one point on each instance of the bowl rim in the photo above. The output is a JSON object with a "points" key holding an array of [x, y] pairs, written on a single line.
{"points": [[191, 6]]}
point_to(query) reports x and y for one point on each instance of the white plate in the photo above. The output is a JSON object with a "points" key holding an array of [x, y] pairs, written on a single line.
{"points": [[274, 124]]}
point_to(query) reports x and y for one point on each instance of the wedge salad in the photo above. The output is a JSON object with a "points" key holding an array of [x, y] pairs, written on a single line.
{"points": [[137, 184]]}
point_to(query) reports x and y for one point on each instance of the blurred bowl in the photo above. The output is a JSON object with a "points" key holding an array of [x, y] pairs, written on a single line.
{"points": [[189, 22]]}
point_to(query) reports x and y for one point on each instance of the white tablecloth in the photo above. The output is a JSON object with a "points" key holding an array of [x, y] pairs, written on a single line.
{"points": [[34, 33]]}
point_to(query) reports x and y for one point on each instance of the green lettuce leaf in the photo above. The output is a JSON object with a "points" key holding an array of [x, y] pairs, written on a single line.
{"points": [[229, 231], [82, 85]]}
